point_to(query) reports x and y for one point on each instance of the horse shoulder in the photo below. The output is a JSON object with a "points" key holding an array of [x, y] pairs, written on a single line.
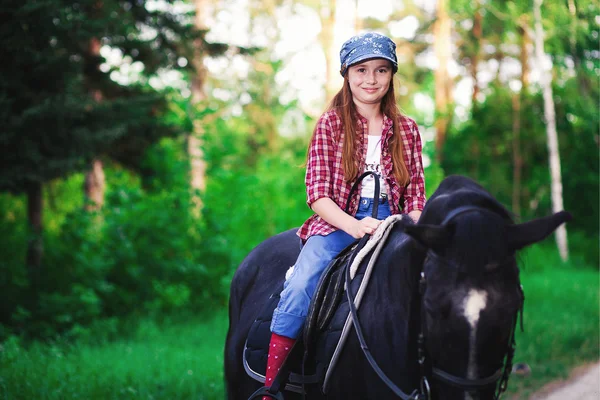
{"points": [[266, 264]]}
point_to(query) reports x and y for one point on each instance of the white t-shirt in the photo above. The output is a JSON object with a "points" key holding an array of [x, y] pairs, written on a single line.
{"points": [[372, 163]]}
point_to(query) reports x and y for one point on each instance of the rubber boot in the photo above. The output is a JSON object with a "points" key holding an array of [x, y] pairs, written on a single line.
{"points": [[279, 348]]}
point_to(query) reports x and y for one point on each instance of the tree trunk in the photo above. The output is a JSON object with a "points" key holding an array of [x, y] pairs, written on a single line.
{"points": [[327, 15], [194, 140], [573, 33], [443, 85], [583, 86], [477, 36], [516, 128], [516, 152], [35, 245], [266, 125], [358, 21], [94, 177], [94, 185], [524, 58], [552, 137]]}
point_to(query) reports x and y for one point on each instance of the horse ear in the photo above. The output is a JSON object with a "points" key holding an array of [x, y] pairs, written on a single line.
{"points": [[522, 235], [431, 236]]}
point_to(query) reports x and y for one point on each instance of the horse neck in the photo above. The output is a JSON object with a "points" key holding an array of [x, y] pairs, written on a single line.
{"points": [[395, 284], [404, 262]]}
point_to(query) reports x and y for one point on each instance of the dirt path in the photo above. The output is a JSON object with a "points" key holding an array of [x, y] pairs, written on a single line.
{"points": [[583, 384]]}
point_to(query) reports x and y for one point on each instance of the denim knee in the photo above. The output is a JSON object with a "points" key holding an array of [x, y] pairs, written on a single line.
{"points": [[299, 288]]}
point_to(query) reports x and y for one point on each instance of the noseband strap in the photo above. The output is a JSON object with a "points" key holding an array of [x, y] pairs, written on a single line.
{"points": [[466, 384]]}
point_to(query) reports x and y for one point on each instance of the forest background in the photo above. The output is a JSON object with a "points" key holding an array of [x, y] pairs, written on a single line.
{"points": [[148, 146]]}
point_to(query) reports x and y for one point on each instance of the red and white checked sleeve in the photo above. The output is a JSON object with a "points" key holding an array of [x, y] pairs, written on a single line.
{"points": [[414, 195], [320, 162]]}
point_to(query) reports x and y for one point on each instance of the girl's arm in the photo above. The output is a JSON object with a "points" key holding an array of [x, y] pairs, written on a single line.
{"points": [[333, 214], [319, 185], [415, 215], [414, 195]]}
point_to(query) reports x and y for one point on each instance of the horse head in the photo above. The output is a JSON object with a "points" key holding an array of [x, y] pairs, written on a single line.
{"points": [[471, 293]]}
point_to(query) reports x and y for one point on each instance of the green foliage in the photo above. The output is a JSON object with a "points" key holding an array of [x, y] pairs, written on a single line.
{"points": [[248, 200], [168, 360], [59, 108], [13, 247], [482, 148], [141, 255], [146, 252]]}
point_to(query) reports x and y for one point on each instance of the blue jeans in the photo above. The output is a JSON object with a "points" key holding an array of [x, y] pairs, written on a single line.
{"points": [[317, 253]]}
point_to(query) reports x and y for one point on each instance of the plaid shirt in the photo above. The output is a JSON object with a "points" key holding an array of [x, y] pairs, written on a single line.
{"points": [[325, 172]]}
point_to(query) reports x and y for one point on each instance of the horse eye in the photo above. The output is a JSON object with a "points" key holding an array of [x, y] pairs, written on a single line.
{"points": [[439, 309], [491, 266]]}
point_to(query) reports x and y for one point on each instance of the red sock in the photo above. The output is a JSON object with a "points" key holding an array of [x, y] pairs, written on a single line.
{"points": [[279, 348]]}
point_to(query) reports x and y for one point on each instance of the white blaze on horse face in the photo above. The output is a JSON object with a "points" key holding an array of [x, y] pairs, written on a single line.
{"points": [[473, 304]]}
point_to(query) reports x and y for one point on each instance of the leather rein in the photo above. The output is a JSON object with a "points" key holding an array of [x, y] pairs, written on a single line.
{"points": [[499, 378]]}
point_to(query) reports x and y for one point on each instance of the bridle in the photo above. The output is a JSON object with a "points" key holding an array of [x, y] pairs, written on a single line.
{"points": [[498, 378]]}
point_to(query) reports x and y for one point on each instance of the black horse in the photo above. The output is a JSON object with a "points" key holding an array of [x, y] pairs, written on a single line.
{"points": [[445, 291]]}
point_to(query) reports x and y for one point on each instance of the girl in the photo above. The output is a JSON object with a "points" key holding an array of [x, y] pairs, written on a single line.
{"points": [[362, 130]]}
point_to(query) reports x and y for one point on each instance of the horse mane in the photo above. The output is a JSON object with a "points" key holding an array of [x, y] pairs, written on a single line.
{"points": [[409, 266]]}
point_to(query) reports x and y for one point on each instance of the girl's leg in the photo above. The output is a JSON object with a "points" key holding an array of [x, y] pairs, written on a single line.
{"points": [[299, 288]]}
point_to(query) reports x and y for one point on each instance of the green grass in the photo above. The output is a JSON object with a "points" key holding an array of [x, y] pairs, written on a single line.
{"points": [[561, 322], [184, 360]]}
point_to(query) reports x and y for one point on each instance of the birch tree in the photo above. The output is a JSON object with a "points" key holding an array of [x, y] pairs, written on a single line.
{"points": [[550, 121]]}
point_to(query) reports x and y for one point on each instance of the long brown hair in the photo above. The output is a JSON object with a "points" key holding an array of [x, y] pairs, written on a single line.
{"points": [[342, 103]]}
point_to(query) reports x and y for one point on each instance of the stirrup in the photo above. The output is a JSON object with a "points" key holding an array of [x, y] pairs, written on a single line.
{"points": [[264, 391]]}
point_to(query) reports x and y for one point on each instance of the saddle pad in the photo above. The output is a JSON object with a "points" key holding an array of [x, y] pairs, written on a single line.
{"points": [[316, 360], [256, 349]]}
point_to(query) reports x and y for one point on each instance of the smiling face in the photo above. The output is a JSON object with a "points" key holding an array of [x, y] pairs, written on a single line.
{"points": [[369, 81]]}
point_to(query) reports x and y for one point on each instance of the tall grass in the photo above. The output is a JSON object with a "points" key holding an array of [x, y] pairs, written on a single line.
{"points": [[172, 361], [184, 359]]}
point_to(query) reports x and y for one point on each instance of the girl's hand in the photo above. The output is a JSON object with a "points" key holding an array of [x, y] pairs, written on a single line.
{"points": [[415, 214], [365, 226]]}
